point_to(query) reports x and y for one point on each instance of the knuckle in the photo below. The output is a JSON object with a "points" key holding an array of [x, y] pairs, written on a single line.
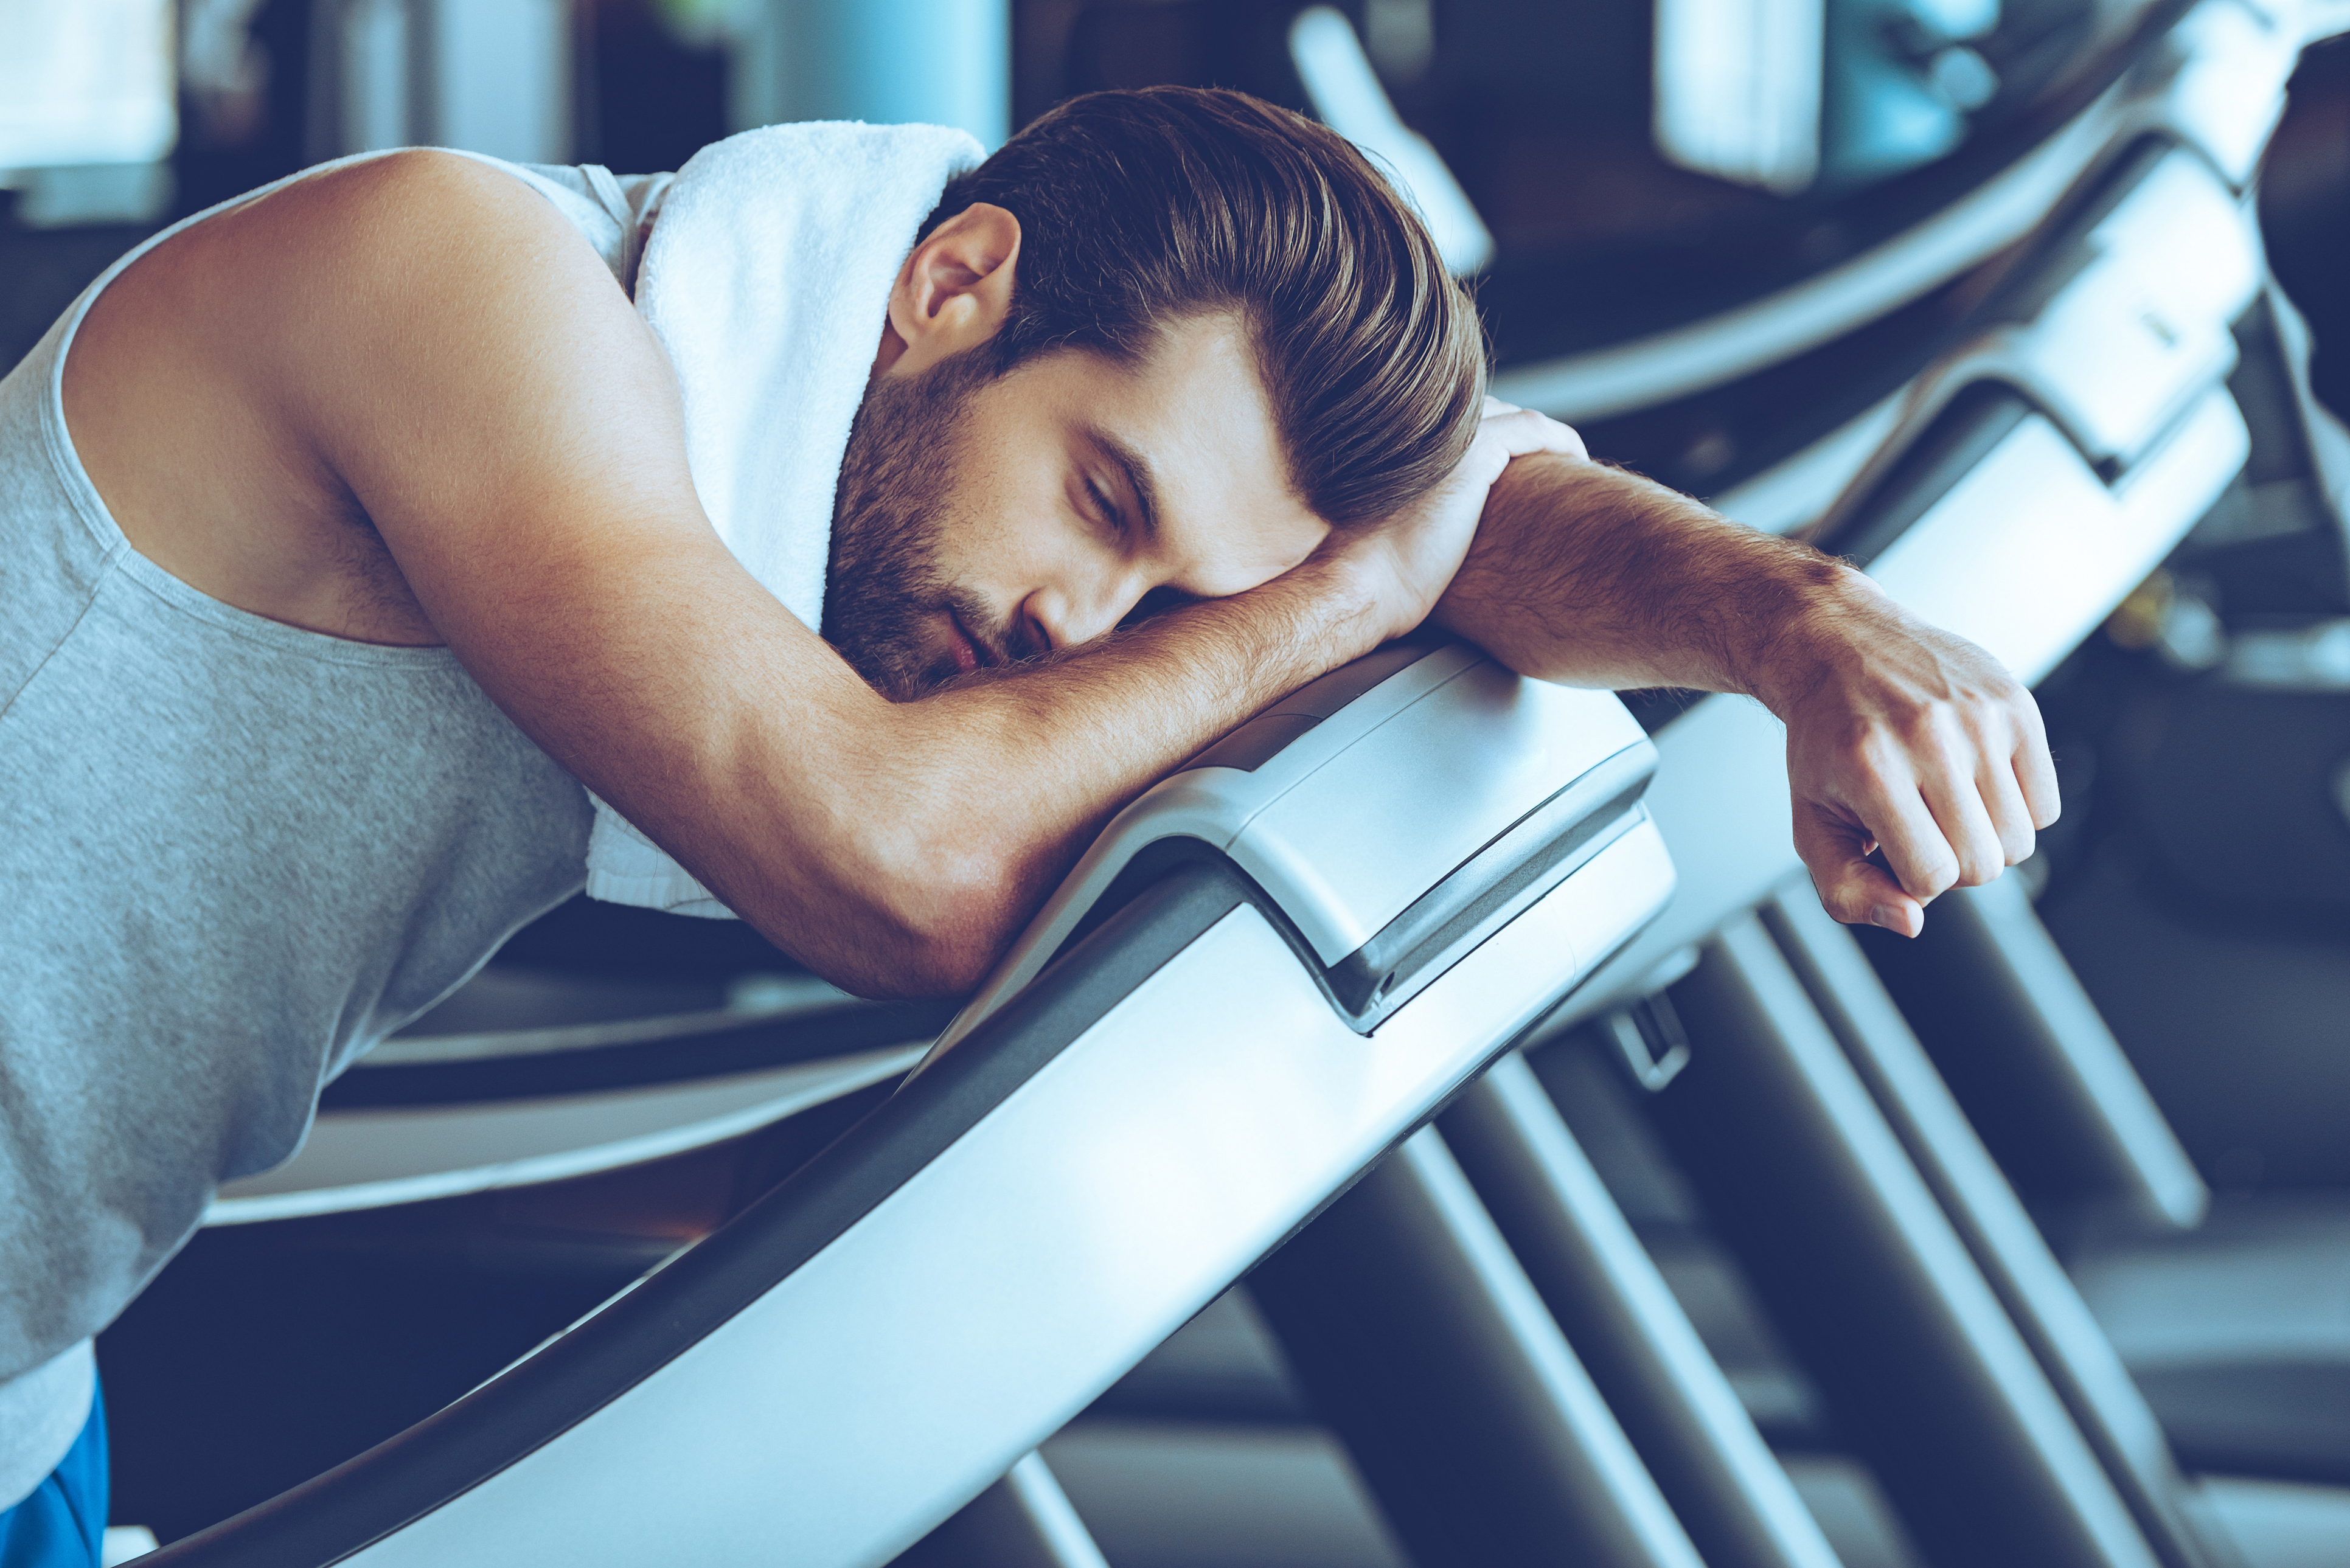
{"points": [[1981, 862], [1841, 900], [1875, 755], [1934, 875]]}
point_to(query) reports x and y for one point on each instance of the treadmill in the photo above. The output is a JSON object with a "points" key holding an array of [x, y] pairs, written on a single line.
{"points": [[2013, 446], [2016, 445], [1869, 1142], [1266, 971]]}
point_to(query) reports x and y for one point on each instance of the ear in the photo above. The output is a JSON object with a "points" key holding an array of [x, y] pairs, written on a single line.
{"points": [[955, 290]]}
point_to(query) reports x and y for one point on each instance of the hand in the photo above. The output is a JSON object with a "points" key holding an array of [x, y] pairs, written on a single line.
{"points": [[1904, 739], [1410, 557]]}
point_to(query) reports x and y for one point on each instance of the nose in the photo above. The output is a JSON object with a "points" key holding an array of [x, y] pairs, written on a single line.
{"points": [[1066, 615]]}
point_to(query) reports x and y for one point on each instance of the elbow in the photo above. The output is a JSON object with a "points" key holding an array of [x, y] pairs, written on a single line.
{"points": [[934, 925], [962, 913]]}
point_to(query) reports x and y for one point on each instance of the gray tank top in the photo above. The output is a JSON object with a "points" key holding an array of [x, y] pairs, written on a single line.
{"points": [[233, 855]]}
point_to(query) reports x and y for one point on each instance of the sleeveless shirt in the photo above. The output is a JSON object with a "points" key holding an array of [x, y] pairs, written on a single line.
{"points": [[234, 854]]}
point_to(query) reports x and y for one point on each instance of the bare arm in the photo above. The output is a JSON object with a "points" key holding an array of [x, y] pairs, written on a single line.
{"points": [[894, 847], [1591, 576], [1900, 737]]}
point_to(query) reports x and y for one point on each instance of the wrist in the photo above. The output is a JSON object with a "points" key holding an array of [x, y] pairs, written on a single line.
{"points": [[1826, 610], [1347, 599]]}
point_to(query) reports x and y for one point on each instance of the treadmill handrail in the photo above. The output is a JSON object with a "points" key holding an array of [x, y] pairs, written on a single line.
{"points": [[1363, 921], [2040, 169], [2003, 343], [632, 1336]]}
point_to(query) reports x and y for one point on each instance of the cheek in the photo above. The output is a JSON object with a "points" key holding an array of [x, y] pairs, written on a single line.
{"points": [[1003, 529]]}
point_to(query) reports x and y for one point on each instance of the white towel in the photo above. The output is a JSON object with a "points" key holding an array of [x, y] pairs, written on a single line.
{"points": [[767, 278]]}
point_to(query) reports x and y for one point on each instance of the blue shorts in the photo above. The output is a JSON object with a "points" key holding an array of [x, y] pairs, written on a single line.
{"points": [[62, 1523]]}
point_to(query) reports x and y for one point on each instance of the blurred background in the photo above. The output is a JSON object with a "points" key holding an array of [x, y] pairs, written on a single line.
{"points": [[1724, 238], [1609, 168]]}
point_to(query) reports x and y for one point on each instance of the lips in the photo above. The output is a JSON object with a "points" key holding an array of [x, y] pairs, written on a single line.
{"points": [[968, 651]]}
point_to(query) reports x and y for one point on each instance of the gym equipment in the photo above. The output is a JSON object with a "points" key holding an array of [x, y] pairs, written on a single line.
{"points": [[1269, 969], [1955, 1353], [428, 1116], [2018, 445]]}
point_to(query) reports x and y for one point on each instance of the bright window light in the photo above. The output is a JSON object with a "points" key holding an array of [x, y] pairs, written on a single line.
{"points": [[87, 82], [1738, 85]]}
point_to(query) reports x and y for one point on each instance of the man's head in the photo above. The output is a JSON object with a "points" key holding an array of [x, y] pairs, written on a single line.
{"points": [[1160, 343]]}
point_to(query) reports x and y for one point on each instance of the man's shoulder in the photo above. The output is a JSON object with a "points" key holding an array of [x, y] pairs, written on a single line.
{"points": [[427, 212], [419, 249]]}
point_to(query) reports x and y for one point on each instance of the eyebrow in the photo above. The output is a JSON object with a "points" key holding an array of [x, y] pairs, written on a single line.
{"points": [[1136, 470]]}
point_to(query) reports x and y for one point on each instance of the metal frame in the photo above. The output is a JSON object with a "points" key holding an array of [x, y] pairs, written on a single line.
{"points": [[1868, 1280]]}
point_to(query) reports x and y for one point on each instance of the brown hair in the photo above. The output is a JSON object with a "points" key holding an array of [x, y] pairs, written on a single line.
{"points": [[1138, 209]]}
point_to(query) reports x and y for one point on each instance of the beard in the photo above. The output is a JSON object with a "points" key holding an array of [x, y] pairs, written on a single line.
{"points": [[883, 584]]}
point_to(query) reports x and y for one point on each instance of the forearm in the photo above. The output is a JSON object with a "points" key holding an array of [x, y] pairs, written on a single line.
{"points": [[944, 822], [1589, 575], [1904, 743]]}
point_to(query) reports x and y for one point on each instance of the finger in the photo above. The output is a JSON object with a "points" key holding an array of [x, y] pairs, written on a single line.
{"points": [[1526, 433], [2035, 774], [1960, 811], [2003, 799], [1487, 456], [1916, 850], [1494, 405], [1851, 887]]}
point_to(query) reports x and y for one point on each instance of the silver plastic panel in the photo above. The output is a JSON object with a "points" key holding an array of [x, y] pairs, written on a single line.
{"points": [[368, 1159], [1354, 819], [977, 1308], [2030, 551], [2143, 327]]}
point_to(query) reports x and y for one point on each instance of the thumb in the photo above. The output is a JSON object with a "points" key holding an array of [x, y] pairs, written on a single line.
{"points": [[1851, 886]]}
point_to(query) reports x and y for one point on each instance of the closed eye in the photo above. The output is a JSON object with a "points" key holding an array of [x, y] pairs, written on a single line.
{"points": [[1111, 517], [1133, 476]]}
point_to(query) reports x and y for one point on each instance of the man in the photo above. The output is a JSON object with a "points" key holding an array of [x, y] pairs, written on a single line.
{"points": [[350, 532]]}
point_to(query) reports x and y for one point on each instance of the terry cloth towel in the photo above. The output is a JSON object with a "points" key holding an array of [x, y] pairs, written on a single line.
{"points": [[767, 278]]}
